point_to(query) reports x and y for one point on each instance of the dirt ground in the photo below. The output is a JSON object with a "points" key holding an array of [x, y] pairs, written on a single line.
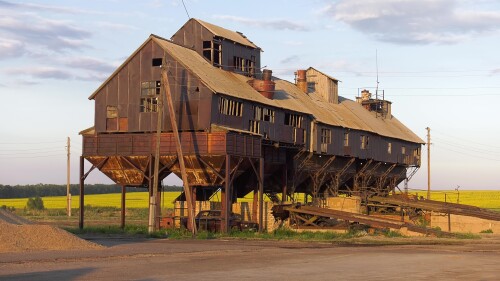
{"points": [[164, 259]]}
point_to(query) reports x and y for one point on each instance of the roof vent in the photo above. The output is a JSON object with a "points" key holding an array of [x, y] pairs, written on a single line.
{"points": [[301, 80], [265, 86]]}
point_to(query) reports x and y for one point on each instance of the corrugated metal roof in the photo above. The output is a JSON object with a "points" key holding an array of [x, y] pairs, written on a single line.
{"points": [[228, 34], [333, 78], [347, 114]]}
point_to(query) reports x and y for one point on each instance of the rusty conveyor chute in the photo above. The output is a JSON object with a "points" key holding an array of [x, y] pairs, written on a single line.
{"points": [[375, 222], [437, 206]]}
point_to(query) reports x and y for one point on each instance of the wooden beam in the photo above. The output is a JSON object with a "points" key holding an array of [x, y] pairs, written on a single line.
{"points": [[187, 190], [82, 192]]}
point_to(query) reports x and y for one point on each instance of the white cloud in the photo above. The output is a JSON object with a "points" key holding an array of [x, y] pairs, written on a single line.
{"points": [[414, 21], [279, 24], [41, 72], [11, 48]]}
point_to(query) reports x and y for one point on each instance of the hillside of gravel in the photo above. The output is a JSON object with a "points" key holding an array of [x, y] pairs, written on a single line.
{"points": [[15, 237]]}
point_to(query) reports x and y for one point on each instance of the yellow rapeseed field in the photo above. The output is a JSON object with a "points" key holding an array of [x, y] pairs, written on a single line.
{"points": [[485, 199]]}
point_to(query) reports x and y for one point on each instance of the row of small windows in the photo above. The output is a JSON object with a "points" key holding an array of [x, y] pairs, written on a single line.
{"points": [[230, 107]]}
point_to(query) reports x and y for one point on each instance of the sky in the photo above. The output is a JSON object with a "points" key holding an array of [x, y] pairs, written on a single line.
{"points": [[437, 61]]}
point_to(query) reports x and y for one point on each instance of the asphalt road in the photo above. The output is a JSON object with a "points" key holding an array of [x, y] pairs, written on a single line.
{"points": [[163, 259]]}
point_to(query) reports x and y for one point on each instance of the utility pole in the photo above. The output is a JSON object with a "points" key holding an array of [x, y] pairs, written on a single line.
{"points": [[68, 192], [428, 163]]}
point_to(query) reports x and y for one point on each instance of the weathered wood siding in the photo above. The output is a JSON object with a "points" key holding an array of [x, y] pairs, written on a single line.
{"points": [[192, 35], [321, 84], [191, 98]]}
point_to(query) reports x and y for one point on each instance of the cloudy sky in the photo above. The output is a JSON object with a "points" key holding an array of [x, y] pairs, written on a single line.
{"points": [[438, 62]]}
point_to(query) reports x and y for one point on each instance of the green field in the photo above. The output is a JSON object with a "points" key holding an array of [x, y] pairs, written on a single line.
{"points": [[485, 199]]}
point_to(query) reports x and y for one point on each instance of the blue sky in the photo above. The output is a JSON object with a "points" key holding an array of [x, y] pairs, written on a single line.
{"points": [[438, 63]]}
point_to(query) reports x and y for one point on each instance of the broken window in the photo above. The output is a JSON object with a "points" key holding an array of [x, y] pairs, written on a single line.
{"points": [[150, 91], [230, 107], [326, 136], [212, 51], [294, 120], [326, 139], [244, 66], [346, 139], [364, 142], [264, 114], [254, 126]]}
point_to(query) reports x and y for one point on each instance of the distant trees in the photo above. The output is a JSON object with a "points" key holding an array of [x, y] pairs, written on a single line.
{"points": [[44, 190]]}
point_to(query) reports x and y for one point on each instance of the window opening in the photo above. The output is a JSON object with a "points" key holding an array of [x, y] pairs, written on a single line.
{"points": [[230, 107], [294, 120], [157, 62], [346, 139], [150, 90], [389, 148]]}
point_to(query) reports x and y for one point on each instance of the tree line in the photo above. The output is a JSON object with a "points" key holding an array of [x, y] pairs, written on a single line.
{"points": [[44, 190]]}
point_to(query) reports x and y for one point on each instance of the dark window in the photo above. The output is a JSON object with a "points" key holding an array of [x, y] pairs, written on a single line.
{"points": [[157, 61], [212, 51], [294, 120], [244, 66], [264, 114]]}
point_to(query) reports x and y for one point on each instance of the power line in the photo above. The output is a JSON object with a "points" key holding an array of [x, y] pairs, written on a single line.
{"points": [[455, 137], [40, 142], [467, 154], [185, 9], [28, 153]]}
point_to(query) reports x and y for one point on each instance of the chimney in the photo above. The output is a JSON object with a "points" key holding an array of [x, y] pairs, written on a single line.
{"points": [[265, 86], [301, 80]]}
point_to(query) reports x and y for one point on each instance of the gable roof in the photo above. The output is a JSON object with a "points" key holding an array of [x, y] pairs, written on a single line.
{"points": [[234, 36], [347, 114], [333, 78]]}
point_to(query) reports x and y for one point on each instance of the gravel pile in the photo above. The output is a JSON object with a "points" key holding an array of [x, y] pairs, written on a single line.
{"points": [[17, 237]]}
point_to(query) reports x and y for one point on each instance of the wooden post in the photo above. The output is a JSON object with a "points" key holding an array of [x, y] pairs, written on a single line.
{"points": [[226, 197], [82, 193], [261, 194], [285, 179], [68, 191], [180, 157], [428, 163], [122, 221]]}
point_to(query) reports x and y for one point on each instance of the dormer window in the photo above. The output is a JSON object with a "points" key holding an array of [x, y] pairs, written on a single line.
{"points": [[212, 51]]}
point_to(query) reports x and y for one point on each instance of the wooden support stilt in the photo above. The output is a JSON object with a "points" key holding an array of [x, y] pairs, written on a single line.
{"points": [[261, 194], [122, 221], [226, 198], [82, 193]]}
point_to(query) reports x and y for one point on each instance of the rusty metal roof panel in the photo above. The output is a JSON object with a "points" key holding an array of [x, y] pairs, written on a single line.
{"points": [[228, 34]]}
